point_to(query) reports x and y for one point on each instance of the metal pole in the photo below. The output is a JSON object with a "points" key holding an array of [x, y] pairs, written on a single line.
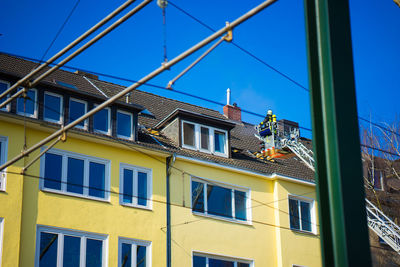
{"points": [[164, 66], [69, 47], [82, 48], [335, 130], [169, 86]]}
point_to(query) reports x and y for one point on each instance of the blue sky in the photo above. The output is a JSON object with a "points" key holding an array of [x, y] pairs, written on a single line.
{"points": [[277, 36]]}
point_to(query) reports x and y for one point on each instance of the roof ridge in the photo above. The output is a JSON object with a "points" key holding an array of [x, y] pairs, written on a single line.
{"points": [[175, 100]]}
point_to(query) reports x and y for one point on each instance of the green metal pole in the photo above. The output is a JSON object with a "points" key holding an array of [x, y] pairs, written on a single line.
{"points": [[340, 188]]}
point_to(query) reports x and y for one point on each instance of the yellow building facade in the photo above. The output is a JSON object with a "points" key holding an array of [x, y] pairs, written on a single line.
{"points": [[172, 186]]}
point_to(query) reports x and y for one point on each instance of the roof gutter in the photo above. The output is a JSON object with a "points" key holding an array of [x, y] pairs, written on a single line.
{"points": [[273, 176]]}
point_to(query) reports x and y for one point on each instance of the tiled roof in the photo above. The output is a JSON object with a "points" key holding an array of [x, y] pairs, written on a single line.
{"points": [[242, 135]]}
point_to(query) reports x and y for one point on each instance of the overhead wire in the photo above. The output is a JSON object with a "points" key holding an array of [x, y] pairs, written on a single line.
{"points": [[177, 91], [61, 29], [264, 63]]}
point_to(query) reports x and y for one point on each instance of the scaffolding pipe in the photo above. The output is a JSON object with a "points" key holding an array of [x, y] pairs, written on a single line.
{"points": [[69, 47], [41, 154], [164, 66], [82, 48], [169, 86]]}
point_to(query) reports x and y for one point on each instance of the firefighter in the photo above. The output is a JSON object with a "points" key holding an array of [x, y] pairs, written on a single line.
{"points": [[265, 127]]}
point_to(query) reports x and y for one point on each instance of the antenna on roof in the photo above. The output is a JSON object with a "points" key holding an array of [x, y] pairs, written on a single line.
{"points": [[228, 96]]}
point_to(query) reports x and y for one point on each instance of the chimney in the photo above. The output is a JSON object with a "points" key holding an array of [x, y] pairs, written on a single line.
{"points": [[232, 112]]}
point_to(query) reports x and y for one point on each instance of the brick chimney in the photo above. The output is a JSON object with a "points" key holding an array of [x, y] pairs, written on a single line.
{"points": [[232, 112]]}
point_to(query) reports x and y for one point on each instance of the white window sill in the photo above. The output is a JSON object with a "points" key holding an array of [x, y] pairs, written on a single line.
{"points": [[75, 195], [28, 115], [101, 132], [125, 137], [232, 220], [136, 206], [205, 151], [303, 232], [53, 121]]}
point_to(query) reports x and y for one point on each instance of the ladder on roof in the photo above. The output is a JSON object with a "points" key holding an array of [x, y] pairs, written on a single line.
{"points": [[384, 227]]}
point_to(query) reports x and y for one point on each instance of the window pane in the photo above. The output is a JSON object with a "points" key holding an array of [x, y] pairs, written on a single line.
{"points": [[197, 196], [205, 138], [240, 264], [124, 124], [141, 256], [30, 103], [219, 201], [305, 216], [75, 175], [128, 186], [52, 171], [48, 249], [97, 179], [3, 87], [72, 250], [142, 188], [76, 110], [219, 263], [188, 134], [294, 214], [100, 120], [51, 109], [94, 253], [126, 255], [199, 261], [240, 205], [219, 141]]}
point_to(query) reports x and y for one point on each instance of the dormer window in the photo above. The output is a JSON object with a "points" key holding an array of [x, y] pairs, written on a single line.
{"points": [[124, 124], [204, 138]]}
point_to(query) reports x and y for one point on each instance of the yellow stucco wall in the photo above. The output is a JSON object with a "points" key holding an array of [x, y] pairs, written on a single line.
{"points": [[295, 247], [262, 241], [75, 213], [267, 240], [11, 199]]}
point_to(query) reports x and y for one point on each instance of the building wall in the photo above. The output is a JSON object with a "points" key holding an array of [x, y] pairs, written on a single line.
{"points": [[263, 240], [295, 247], [11, 199], [75, 213]]}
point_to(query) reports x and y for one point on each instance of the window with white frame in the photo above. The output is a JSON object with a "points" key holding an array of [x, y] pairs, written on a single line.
{"points": [[124, 124], [135, 186], [206, 260], [204, 138], [3, 159], [101, 121], [75, 174], [225, 201], [132, 252], [28, 106], [60, 247], [53, 107], [77, 108], [3, 87], [301, 214]]}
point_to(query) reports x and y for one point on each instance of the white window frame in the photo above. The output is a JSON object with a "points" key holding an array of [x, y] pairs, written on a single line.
{"points": [[85, 126], [61, 113], [211, 141], [61, 232], [87, 159], [235, 260], [3, 156], [35, 109], [232, 187], [108, 122], [134, 243], [1, 238], [312, 213], [135, 170], [8, 106], [131, 116]]}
